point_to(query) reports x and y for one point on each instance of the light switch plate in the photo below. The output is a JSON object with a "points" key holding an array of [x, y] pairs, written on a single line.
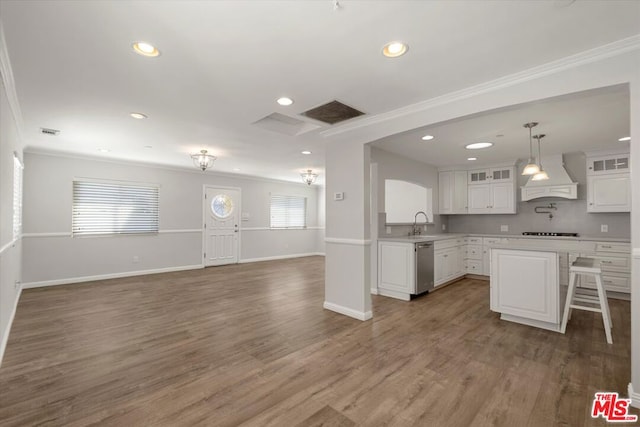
{"points": [[338, 196], [504, 228], [388, 230], [604, 228]]}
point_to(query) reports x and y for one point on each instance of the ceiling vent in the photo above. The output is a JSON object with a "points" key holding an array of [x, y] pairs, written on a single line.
{"points": [[47, 131], [286, 125], [332, 112]]}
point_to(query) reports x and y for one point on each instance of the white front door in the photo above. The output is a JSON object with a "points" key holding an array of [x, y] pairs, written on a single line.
{"points": [[221, 226]]}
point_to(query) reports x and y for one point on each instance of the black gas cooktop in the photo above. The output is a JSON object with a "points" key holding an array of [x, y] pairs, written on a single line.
{"points": [[546, 233]]}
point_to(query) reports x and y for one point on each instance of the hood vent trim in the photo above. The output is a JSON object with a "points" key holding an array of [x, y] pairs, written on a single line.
{"points": [[559, 183]]}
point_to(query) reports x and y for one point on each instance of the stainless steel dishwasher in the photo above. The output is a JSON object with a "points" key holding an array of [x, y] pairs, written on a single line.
{"points": [[424, 267]]}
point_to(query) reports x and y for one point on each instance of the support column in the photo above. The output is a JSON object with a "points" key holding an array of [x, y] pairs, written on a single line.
{"points": [[347, 253], [634, 385]]}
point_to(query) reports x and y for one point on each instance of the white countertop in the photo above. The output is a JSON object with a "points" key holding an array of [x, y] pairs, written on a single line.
{"points": [[444, 236]]}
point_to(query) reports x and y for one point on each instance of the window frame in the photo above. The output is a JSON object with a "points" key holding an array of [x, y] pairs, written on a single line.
{"points": [[289, 197], [149, 225]]}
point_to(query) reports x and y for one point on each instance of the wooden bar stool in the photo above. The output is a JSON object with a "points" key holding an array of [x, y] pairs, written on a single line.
{"points": [[596, 302]]}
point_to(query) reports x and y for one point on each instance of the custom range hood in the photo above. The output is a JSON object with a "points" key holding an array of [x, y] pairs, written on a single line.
{"points": [[559, 183]]}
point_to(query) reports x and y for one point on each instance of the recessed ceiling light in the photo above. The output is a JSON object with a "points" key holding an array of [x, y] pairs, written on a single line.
{"points": [[472, 158], [236, 169], [138, 115], [478, 145], [427, 137], [148, 146], [394, 49], [145, 49], [306, 152], [103, 150], [284, 101], [626, 138]]}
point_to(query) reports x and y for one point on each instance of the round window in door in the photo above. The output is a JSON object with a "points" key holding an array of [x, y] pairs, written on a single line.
{"points": [[222, 206]]}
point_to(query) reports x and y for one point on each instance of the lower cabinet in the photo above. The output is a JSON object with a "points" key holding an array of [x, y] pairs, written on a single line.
{"points": [[449, 260], [396, 269]]}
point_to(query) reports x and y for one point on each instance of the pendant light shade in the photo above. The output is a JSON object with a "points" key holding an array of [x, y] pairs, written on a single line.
{"points": [[541, 175], [203, 160], [308, 177], [531, 168]]}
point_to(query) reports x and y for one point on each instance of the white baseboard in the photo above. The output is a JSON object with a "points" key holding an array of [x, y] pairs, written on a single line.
{"points": [[374, 291], [360, 315], [5, 337], [635, 397], [394, 294], [108, 276], [277, 257]]}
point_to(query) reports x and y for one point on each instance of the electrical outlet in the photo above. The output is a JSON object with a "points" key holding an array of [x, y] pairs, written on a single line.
{"points": [[388, 230], [504, 228], [136, 259], [604, 228]]}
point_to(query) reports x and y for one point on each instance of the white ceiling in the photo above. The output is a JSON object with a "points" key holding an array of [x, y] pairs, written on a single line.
{"points": [[223, 64]]}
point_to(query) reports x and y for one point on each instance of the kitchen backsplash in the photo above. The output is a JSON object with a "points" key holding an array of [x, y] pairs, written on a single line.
{"points": [[570, 216]]}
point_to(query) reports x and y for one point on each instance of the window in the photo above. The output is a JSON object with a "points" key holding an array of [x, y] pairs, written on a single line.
{"points": [[17, 197], [114, 208], [288, 211]]}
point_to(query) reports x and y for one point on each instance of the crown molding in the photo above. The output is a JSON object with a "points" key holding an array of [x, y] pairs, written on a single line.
{"points": [[616, 48], [9, 84]]}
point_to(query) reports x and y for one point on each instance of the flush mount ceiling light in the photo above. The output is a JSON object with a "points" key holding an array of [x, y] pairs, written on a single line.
{"points": [[138, 116], [284, 101], [472, 158], [623, 139], [394, 49], [145, 49], [309, 177], [541, 175], [531, 168], [478, 145], [427, 138], [203, 160], [306, 152]]}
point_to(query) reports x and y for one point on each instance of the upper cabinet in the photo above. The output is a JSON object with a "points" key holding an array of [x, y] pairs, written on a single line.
{"points": [[480, 191], [452, 193], [608, 183]]}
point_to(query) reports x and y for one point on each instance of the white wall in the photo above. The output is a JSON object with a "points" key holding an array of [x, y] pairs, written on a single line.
{"points": [[52, 255], [10, 250]]}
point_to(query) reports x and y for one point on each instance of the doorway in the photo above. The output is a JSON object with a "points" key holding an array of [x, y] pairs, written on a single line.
{"points": [[221, 209]]}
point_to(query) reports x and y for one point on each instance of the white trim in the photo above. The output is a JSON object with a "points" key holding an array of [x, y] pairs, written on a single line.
{"points": [[53, 234], [394, 294], [273, 258], [360, 315], [355, 242], [279, 229], [636, 253], [82, 279], [374, 291], [5, 339], [6, 74], [635, 397], [9, 245], [178, 231], [618, 47]]}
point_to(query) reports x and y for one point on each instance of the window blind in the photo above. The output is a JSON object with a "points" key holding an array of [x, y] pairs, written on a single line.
{"points": [[17, 197], [114, 208], [288, 211]]}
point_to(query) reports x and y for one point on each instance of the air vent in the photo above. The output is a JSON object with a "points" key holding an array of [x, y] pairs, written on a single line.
{"points": [[286, 125], [332, 112], [47, 131]]}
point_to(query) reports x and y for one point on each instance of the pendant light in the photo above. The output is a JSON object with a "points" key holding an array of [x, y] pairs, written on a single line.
{"points": [[203, 160], [532, 168], [541, 175]]}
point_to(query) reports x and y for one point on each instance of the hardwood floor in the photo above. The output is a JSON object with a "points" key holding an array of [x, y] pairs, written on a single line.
{"points": [[250, 344]]}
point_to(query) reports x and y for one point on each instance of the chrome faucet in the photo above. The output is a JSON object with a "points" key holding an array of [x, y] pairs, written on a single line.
{"points": [[416, 229]]}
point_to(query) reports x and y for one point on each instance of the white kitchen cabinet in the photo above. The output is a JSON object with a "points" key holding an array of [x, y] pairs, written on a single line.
{"points": [[449, 260], [609, 193], [396, 269], [479, 176], [608, 183], [615, 263], [524, 287], [492, 198], [452, 192]]}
